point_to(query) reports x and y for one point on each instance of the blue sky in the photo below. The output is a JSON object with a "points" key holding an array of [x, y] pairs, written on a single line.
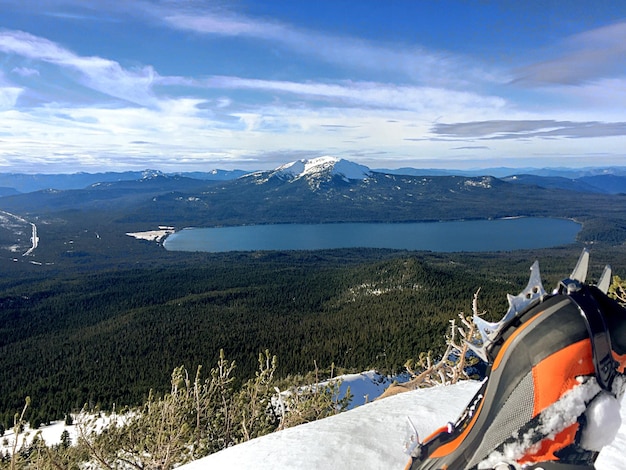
{"points": [[185, 85]]}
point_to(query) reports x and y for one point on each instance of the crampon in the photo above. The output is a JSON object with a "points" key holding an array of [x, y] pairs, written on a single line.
{"points": [[555, 363]]}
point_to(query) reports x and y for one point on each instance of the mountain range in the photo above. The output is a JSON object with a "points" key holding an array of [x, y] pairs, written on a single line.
{"points": [[320, 190], [610, 180], [13, 183]]}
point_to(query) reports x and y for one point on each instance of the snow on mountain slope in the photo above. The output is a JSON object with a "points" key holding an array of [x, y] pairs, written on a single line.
{"points": [[324, 165], [368, 437]]}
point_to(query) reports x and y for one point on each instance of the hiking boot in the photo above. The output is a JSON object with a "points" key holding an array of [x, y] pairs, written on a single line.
{"points": [[555, 364]]}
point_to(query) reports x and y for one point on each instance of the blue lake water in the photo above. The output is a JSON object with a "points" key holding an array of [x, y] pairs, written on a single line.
{"points": [[466, 235]]}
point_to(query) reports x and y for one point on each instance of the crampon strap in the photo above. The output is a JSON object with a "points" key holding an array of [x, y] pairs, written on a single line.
{"points": [[604, 364]]}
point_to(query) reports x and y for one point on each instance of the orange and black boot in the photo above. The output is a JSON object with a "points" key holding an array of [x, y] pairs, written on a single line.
{"points": [[556, 363]]}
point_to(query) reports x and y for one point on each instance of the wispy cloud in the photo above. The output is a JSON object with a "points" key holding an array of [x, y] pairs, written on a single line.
{"points": [[412, 62], [526, 129], [595, 54], [364, 97], [102, 75], [472, 147], [367, 94], [79, 16], [25, 71]]}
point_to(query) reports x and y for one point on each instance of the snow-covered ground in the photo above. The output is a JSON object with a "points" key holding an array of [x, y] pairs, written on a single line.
{"points": [[51, 434], [371, 436], [368, 437]]}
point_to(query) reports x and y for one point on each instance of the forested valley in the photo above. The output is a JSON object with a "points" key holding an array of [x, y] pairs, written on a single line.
{"points": [[110, 336]]}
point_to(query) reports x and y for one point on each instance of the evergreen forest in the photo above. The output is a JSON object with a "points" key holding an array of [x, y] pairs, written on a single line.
{"points": [[107, 337]]}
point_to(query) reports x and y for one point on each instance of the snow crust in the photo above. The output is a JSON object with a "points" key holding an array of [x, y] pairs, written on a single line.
{"points": [[368, 437], [372, 436]]}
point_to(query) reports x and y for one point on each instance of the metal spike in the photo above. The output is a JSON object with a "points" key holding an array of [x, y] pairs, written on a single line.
{"points": [[580, 271], [605, 279], [534, 290], [478, 350], [486, 329]]}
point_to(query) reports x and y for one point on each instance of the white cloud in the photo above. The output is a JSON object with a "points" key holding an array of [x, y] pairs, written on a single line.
{"points": [[25, 71], [9, 96], [228, 25], [605, 98], [419, 99], [430, 99], [102, 75]]}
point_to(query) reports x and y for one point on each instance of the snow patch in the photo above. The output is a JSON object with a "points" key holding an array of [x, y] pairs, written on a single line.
{"points": [[368, 437], [52, 434], [484, 182], [153, 235], [603, 422]]}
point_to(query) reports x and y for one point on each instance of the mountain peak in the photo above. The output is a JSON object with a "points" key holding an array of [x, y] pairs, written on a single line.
{"points": [[151, 174], [326, 165]]}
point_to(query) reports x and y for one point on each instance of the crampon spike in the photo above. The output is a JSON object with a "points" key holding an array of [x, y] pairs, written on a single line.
{"points": [[605, 279], [533, 291], [478, 350], [580, 270], [488, 331], [412, 440]]}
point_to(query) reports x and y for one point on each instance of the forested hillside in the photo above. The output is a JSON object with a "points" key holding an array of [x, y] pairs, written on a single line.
{"points": [[110, 336]]}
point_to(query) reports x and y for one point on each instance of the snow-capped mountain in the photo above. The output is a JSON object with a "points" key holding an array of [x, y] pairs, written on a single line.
{"points": [[151, 174], [322, 166], [316, 171]]}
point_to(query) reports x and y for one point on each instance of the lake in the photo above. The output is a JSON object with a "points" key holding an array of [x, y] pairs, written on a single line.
{"points": [[466, 235]]}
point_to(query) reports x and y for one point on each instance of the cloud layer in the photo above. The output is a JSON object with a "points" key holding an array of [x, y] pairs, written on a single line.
{"points": [[529, 129], [378, 102]]}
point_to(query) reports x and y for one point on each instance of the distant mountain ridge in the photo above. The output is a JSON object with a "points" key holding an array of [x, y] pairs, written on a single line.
{"points": [[611, 180], [26, 183], [503, 172], [603, 183], [558, 182]]}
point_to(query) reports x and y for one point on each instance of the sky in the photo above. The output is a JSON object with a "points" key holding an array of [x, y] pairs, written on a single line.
{"points": [[197, 85]]}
